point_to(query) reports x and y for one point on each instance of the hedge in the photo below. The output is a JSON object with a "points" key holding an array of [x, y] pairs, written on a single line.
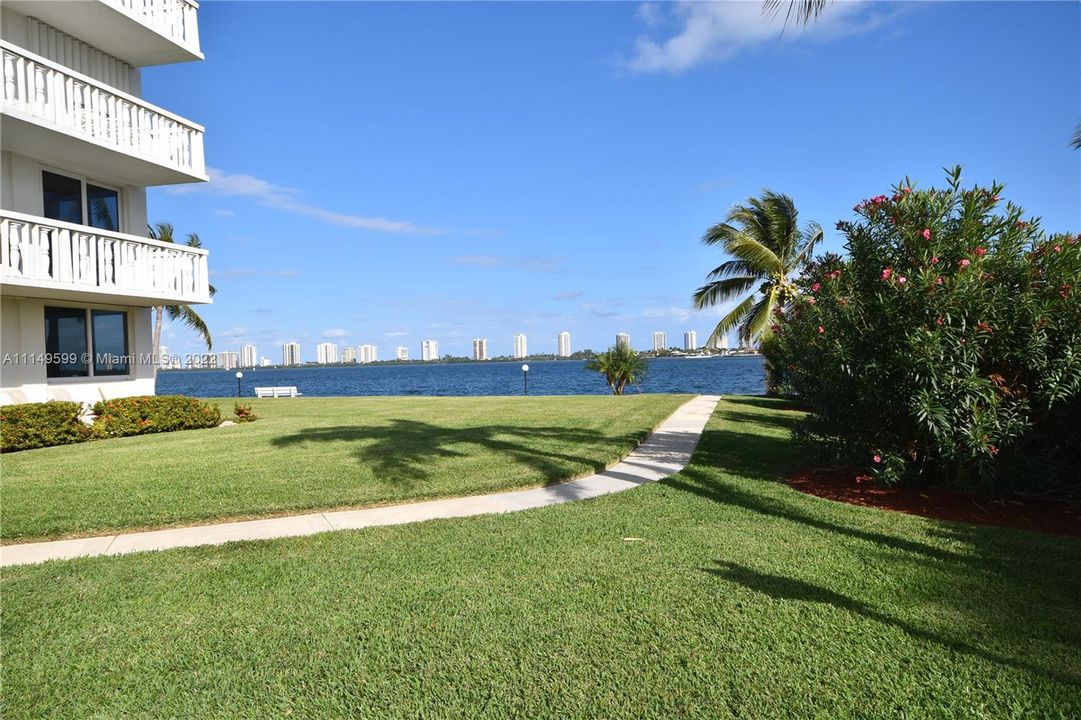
{"points": [[153, 414], [35, 425]]}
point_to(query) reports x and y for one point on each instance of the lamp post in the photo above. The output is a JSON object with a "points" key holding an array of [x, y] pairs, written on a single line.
{"points": [[239, 377], [525, 378]]}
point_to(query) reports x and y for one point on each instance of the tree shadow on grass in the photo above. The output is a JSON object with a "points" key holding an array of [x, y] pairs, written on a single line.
{"points": [[405, 452], [786, 588]]}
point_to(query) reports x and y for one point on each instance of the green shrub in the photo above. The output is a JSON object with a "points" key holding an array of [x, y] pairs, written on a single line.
{"points": [[35, 425], [947, 346], [153, 414], [244, 413]]}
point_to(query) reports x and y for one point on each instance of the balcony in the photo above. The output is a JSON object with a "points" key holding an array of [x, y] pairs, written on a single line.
{"points": [[67, 119], [139, 32], [57, 260]]}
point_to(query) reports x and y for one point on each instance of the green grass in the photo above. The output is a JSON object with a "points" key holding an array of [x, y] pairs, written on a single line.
{"points": [[314, 453], [737, 597]]}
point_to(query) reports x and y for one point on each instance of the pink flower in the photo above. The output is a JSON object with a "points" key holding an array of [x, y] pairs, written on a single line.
{"points": [[934, 260], [821, 329], [877, 458], [816, 287], [886, 272], [878, 199], [994, 198], [1057, 248], [938, 280], [907, 190], [811, 301], [980, 251], [902, 280], [926, 233], [965, 262], [835, 274], [985, 327]]}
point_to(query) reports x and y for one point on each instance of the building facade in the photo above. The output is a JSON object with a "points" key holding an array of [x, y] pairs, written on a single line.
{"points": [[480, 348], [291, 353], [249, 356], [660, 341], [521, 347], [78, 148], [349, 354], [623, 340], [429, 350], [368, 353], [401, 353], [228, 360], [563, 344], [690, 340], [326, 353]]}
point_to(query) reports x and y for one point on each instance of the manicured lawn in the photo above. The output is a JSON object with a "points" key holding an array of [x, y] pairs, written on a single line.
{"points": [[309, 453], [718, 593]]}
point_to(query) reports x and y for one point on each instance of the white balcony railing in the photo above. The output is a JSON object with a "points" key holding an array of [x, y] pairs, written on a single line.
{"points": [[175, 19], [42, 253], [52, 95]]}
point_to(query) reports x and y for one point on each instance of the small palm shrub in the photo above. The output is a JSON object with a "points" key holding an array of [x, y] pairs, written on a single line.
{"points": [[947, 346], [34, 425], [153, 414], [621, 366]]}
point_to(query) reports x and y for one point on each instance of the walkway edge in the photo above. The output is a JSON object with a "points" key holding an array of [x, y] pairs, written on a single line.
{"points": [[665, 452]]}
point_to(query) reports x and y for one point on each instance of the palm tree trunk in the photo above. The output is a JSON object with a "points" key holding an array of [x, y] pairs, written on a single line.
{"points": [[159, 311]]}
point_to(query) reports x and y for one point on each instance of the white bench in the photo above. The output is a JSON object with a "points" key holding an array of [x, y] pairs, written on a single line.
{"points": [[276, 392]]}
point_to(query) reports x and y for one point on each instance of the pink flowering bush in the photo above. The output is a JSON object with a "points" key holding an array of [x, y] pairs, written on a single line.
{"points": [[946, 347]]}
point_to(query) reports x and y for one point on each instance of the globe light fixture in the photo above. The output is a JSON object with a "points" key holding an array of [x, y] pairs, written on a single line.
{"points": [[525, 378], [239, 377]]}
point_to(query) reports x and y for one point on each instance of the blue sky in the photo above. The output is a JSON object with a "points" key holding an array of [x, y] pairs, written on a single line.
{"points": [[392, 172]]}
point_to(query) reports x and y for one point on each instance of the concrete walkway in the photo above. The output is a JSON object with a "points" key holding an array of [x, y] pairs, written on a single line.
{"points": [[663, 453]]}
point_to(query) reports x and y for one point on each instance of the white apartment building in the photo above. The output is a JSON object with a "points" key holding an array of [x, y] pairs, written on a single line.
{"points": [[401, 353], [291, 353], [722, 342], [78, 148], [249, 356], [349, 354], [326, 353], [690, 340], [368, 353], [429, 350], [228, 360], [521, 349], [660, 341], [563, 344], [265, 362], [623, 340], [480, 348]]}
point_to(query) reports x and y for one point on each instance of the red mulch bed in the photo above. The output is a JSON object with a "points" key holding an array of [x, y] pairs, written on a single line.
{"points": [[1060, 518]]}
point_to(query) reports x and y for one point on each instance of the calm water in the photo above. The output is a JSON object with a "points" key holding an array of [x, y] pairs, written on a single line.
{"points": [[564, 377]]}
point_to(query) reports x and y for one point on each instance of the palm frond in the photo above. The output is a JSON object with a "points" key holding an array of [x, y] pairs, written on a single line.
{"points": [[719, 291], [757, 319], [800, 11], [731, 320], [188, 316], [1076, 142], [734, 268], [162, 232]]}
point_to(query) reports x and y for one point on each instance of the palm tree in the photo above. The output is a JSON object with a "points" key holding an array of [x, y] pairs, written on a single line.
{"points": [[768, 246], [620, 366], [163, 232], [1076, 142]]}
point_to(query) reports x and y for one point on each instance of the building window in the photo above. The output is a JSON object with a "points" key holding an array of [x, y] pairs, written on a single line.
{"points": [[109, 328], [63, 197], [70, 200], [65, 342], [69, 332]]}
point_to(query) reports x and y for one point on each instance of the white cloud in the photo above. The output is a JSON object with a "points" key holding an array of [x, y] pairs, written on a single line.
{"points": [[398, 333], [335, 333], [286, 199], [716, 31], [221, 212]]}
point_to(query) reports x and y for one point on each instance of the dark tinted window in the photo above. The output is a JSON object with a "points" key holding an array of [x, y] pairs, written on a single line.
{"points": [[103, 206], [110, 333], [65, 342], [63, 198]]}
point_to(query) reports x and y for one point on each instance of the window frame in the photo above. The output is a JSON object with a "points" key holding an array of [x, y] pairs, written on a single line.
{"points": [[89, 320], [84, 180]]}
